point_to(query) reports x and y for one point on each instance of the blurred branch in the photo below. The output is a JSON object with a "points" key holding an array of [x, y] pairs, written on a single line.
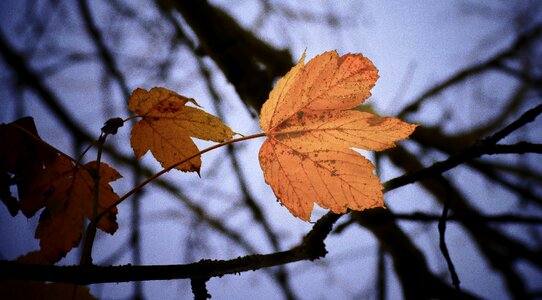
{"points": [[250, 202], [495, 62], [442, 235], [520, 172], [500, 250], [250, 64], [38, 28], [381, 281], [106, 56], [29, 78], [482, 219], [503, 218], [409, 262], [485, 146], [434, 137], [328, 17], [259, 217]]}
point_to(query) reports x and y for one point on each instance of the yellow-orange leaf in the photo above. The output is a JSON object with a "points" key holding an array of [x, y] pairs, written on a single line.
{"points": [[311, 128], [167, 126]]}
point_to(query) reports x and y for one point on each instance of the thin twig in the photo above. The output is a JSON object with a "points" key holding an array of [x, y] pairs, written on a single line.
{"points": [[493, 62], [442, 233], [480, 148], [162, 172], [90, 234]]}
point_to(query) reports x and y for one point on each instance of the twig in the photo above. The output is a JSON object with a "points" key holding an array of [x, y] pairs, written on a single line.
{"points": [[442, 239], [106, 55], [493, 62], [162, 172], [90, 234], [503, 218], [485, 146]]}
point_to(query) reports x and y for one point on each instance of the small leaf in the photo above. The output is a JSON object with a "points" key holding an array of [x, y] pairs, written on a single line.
{"points": [[167, 126], [311, 126]]}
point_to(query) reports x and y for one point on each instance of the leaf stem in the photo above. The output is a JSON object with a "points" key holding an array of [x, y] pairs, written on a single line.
{"points": [[97, 218], [80, 158], [131, 118], [86, 255]]}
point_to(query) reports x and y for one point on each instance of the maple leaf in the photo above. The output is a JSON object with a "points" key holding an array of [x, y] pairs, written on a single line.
{"points": [[45, 178], [167, 126], [23, 159], [68, 193], [311, 128]]}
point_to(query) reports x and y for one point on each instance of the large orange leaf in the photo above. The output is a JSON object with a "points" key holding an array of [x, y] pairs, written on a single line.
{"points": [[311, 128], [167, 126]]}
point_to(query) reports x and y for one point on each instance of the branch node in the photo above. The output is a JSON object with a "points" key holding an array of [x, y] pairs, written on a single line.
{"points": [[199, 288]]}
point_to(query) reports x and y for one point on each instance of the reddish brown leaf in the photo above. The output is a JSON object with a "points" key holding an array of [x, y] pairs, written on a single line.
{"points": [[47, 179], [23, 159], [69, 198]]}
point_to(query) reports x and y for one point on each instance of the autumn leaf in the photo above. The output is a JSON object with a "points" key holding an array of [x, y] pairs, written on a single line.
{"points": [[69, 198], [311, 128], [167, 125], [48, 180], [23, 160]]}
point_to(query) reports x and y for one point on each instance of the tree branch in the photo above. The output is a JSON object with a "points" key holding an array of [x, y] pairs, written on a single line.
{"points": [[493, 62], [312, 247], [106, 56], [250, 64], [485, 146]]}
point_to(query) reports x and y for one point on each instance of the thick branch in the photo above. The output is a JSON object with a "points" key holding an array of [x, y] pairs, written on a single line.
{"points": [[250, 64], [311, 248]]}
